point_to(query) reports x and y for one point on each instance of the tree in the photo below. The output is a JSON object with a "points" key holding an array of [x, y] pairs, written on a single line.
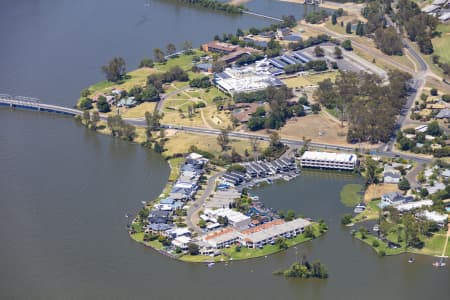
{"points": [[388, 41], [348, 28], [86, 117], [158, 54], [333, 19], [404, 185], [193, 249], [275, 140], [103, 105], [371, 168], [346, 219], [85, 92], [347, 45], [318, 51], [85, 103], [290, 215], [95, 118], [115, 69], [434, 129], [222, 139], [146, 63], [187, 47], [337, 52], [171, 49]]}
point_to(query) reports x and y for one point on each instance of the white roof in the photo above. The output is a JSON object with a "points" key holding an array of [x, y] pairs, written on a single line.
{"points": [[233, 216], [179, 231], [194, 156], [434, 216], [439, 2], [413, 205], [277, 230], [430, 8], [328, 156], [421, 128], [444, 16]]}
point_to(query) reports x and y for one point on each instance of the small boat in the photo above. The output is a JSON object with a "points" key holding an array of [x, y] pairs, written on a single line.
{"points": [[439, 263], [411, 260], [126, 216], [210, 264], [376, 228], [143, 202]]}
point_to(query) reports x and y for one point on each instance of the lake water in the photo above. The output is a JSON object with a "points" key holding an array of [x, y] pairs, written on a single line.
{"points": [[65, 190]]}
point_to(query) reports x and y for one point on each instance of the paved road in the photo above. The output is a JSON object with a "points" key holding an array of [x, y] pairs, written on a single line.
{"points": [[412, 176], [198, 204]]}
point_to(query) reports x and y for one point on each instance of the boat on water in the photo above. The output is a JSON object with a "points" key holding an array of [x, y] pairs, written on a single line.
{"points": [[143, 202], [411, 260], [440, 262], [210, 264], [376, 228]]}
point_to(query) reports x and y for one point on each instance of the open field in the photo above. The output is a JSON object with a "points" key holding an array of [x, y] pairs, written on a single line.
{"points": [[318, 127], [308, 80], [432, 246], [137, 111], [442, 44], [375, 191], [176, 109], [181, 141], [351, 194]]}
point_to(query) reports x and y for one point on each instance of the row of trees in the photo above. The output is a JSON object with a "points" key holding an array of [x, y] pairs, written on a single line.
{"points": [[174, 74], [216, 5], [315, 65], [369, 105], [418, 25]]}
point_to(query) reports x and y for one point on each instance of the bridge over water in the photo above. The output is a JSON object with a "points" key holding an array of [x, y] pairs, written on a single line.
{"points": [[36, 105]]}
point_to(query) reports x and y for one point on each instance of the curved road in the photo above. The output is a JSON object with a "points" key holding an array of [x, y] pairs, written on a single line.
{"points": [[198, 204]]}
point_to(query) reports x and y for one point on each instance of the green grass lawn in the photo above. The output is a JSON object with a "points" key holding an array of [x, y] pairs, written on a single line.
{"points": [[442, 44], [351, 194], [371, 212], [246, 253]]}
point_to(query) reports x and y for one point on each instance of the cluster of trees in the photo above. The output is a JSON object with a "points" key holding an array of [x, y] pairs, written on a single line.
{"points": [[336, 14], [160, 56], [248, 59], [115, 70], [306, 270], [316, 17], [386, 38], [311, 41], [216, 5], [202, 82], [279, 109], [418, 25], [389, 41], [120, 129], [174, 74], [369, 105], [315, 65], [148, 94]]}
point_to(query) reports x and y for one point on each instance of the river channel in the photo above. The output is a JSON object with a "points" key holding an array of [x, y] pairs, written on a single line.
{"points": [[64, 190]]}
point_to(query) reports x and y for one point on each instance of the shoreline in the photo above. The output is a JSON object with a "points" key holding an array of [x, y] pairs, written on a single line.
{"points": [[226, 254]]}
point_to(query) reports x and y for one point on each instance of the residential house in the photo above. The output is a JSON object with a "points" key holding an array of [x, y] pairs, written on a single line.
{"points": [[159, 217], [443, 114], [434, 216], [394, 199], [391, 175], [438, 186]]}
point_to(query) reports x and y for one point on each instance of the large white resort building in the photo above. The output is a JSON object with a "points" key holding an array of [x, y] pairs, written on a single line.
{"points": [[246, 79], [327, 160]]}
